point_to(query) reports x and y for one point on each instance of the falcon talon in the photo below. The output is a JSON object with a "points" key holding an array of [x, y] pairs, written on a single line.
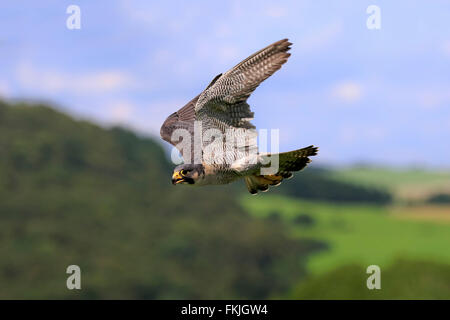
{"points": [[222, 108]]}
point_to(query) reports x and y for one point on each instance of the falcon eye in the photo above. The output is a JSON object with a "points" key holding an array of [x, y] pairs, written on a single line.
{"points": [[183, 172]]}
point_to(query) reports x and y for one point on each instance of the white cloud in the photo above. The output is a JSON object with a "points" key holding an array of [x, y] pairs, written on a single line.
{"points": [[51, 81], [347, 91], [121, 111], [4, 89]]}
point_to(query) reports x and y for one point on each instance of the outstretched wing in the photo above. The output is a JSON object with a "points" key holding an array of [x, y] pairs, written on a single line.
{"points": [[236, 85], [223, 104]]}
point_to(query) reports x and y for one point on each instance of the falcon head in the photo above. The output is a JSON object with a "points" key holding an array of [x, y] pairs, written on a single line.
{"points": [[187, 173]]}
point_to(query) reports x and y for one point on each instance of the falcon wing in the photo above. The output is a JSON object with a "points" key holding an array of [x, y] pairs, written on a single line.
{"points": [[222, 105], [236, 85]]}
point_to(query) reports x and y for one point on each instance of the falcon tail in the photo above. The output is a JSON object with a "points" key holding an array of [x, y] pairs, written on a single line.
{"points": [[289, 162]]}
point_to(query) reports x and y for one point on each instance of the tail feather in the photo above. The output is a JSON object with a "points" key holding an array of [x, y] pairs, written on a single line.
{"points": [[288, 162]]}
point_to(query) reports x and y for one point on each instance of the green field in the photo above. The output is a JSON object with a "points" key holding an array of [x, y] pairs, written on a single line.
{"points": [[356, 234]]}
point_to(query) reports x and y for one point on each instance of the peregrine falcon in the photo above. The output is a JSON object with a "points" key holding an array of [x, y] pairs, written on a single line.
{"points": [[222, 109]]}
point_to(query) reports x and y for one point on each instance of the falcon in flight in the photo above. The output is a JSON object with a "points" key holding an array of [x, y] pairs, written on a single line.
{"points": [[222, 109]]}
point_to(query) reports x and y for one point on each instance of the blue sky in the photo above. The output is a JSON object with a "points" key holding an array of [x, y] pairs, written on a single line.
{"points": [[372, 96]]}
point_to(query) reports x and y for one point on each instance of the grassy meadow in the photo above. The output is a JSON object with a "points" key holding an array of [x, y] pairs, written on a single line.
{"points": [[409, 239], [356, 233]]}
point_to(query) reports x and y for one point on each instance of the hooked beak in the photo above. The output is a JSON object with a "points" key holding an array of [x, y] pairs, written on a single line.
{"points": [[177, 178]]}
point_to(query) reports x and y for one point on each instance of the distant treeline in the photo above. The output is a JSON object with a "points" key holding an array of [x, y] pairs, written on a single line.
{"points": [[316, 184], [441, 198]]}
